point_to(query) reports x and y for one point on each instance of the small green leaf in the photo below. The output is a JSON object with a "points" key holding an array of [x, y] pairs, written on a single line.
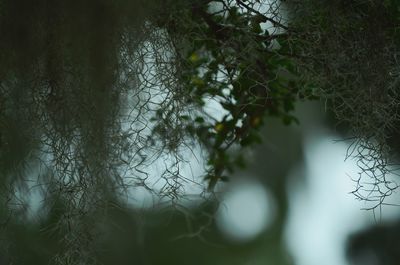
{"points": [[199, 120]]}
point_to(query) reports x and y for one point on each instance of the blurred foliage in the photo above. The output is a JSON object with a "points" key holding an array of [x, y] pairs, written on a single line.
{"points": [[165, 235], [94, 93], [134, 237], [349, 51], [377, 245]]}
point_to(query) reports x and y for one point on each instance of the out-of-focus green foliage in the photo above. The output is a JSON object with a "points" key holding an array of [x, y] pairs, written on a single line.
{"points": [[349, 51], [93, 93], [377, 242], [126, 236]]}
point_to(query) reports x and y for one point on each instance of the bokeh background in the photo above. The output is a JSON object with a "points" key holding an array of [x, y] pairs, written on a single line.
{"points": [[291, 205]]}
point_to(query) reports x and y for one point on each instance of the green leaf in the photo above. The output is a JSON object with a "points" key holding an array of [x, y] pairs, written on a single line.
{"points": [[199, 120]]}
